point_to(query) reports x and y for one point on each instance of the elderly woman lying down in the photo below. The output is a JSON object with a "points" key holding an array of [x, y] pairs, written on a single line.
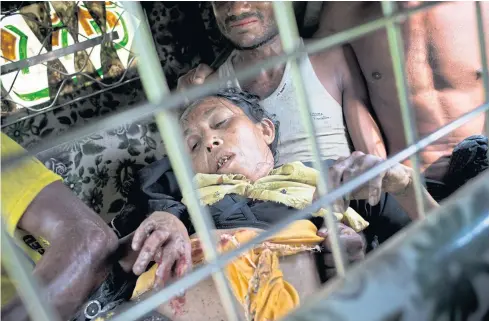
{"points": [[231, 142]]}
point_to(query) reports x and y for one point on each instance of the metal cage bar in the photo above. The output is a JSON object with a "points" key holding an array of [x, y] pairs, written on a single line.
{"points": [[485, 68], [156, 88], [396, 47], [51, 55], [175, 100], [411, 277], [203, 272], [289, 35], [178, 98]]}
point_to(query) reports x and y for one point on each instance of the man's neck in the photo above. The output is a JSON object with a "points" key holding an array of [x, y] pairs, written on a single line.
{"points": [[270, 49], [267, 81]]}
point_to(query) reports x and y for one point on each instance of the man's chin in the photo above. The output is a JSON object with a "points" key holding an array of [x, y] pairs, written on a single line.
{"points": [[241, 43]]}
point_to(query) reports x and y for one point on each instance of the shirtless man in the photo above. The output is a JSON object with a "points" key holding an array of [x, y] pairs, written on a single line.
{"points": [[334, 86], [443, 68], [233, 125]]}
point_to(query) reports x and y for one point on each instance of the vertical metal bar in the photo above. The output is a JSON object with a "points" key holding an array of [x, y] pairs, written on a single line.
{"points": [[289, 35], [156, 88], [400, 272], [30, 292], [206, 270], [396, 47], [485, 71]]}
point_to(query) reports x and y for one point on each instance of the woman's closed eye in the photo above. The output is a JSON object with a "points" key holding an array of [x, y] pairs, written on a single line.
{"points": [[219, 124], [193, 143]]}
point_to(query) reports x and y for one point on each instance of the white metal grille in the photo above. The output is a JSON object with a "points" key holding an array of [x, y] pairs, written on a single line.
{"points": [[161, 101]]}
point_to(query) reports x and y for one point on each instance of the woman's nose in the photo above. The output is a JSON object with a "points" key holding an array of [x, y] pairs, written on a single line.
{"points": [[213, 143]]}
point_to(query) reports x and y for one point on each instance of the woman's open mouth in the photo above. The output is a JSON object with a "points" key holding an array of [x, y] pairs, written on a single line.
{"points": [[224, 162]]}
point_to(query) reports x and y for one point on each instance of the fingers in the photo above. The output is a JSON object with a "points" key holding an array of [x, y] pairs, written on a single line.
{"points": [[184, 263], [336, 172], [352, 242], [353, 245], [151, 246], [201, 73], [142, 232], [323, 232], [163, 273], [375, 190], [195, 76], [337, 169], [177, 254], [345, 170]]}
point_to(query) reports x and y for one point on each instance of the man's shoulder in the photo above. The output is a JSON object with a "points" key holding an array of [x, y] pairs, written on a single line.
{"points": [[328, 58], [337, 16]]}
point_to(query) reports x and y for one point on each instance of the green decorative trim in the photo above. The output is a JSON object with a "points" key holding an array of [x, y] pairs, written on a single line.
{"points": [[40, 94], [95, 27], [121, 44], [64, 38]]}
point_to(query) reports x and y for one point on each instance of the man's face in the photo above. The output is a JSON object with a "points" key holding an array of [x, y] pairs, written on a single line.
{"points": [[248, 25]]}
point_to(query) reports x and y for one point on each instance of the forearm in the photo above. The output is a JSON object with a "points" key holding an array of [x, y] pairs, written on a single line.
{"points": [[66, 280], [365, 134], [407, 199], [70, 275], [76, 262]]}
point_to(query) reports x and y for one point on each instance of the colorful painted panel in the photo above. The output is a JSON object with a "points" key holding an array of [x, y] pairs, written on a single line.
{"points": [[47, 26]]}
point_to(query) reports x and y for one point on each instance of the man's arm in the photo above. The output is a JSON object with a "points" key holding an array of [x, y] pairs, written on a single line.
{"points": [[362, 127], [35, 200], [75, 264]]}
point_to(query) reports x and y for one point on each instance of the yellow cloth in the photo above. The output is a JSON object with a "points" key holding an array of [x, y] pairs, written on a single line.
{"points": [[20, 186], [255, 277], [292, 184]]}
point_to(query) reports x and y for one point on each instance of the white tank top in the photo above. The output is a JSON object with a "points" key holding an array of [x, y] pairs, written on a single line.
{"points": [[326, 113]]}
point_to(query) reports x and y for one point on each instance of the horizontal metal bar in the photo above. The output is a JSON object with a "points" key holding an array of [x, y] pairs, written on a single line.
{"points": [[200, 274], [424, 273], [12, 119], [58, 53], [30, 292], [156, 89], [177, 99]]}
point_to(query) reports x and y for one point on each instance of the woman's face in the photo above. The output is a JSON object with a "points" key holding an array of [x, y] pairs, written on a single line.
{"points": [[221, 139]]}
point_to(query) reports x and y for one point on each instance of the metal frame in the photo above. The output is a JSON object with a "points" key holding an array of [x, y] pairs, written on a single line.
{"points": [[16, 66], [157, 90], [289, 34], [398, 278], [396, 47], [51, 55]]}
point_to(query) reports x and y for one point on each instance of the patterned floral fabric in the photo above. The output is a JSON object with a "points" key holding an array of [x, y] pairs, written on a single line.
{"points": [[100, 169]]}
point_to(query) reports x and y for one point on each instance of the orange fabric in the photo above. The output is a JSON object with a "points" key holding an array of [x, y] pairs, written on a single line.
{"points": [[255, 277]]}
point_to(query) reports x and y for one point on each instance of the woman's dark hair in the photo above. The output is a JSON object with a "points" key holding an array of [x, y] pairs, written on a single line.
{"points": [[250, 104]]}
